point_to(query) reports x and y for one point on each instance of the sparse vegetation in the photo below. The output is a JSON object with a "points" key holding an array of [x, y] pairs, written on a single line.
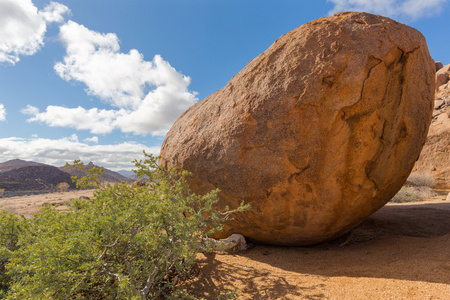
{"points": [[420, 179], [130, 242], [405, 195], [63, 187], [418, 188]]}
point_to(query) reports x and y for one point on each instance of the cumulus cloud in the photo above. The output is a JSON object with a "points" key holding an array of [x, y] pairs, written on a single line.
{"points": [[59, 151], [2, 113], [98, 121], [93, 139], [145, 96], [23, 26], [411, 9], [54, 12]]}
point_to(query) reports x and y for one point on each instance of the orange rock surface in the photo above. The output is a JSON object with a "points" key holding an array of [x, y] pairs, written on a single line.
{"points": [[317, 133]]}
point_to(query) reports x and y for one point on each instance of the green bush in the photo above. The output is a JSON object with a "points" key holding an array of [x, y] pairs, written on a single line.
{"points": [[9, 235], [130, 242]]}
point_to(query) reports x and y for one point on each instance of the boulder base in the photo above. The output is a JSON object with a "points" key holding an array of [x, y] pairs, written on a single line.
{"points": [[317, 133]]}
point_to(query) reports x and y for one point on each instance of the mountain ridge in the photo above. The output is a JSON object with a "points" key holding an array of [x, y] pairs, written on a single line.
{"points": [[18, 175]]}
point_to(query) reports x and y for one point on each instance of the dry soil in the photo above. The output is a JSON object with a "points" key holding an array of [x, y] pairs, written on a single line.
{"points": [[400, 252]]}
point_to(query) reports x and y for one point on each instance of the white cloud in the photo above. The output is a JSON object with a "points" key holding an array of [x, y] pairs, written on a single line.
{"points": [[98, 121], [411, 9], [145, 96], [23, 26], [2, 113], [93, 139], [73, 138], [58, 152], [30, 110], [54, 12]]}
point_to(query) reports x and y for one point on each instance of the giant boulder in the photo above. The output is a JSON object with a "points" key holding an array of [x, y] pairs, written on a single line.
{"points": [[317, 133]]}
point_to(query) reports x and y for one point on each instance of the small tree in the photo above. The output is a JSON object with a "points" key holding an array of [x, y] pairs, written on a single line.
{"points": [[63, 186]]}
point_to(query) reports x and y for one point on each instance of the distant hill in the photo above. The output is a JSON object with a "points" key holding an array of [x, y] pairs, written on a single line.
{"points": [[26, 176], [128, 174], [108, 175], [39, 177], [16, 164]]}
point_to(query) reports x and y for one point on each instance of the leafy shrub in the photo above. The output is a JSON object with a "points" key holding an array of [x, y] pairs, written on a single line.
{"points": [[9, 234], [130, 242], [91, 179], [421, 179]]}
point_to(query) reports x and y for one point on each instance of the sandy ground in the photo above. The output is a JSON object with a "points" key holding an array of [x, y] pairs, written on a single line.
{"points": [[30, 205], [400, 252]]}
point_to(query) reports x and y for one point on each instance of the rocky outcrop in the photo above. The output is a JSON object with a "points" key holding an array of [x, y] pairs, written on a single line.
{"points": [[438, 65], [442, 76], [317, 133], [435, 156]]}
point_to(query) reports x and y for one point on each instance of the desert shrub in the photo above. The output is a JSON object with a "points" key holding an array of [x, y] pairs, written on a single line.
{"points": [[130, 242], [406, 194], [9, 234], [421, 179], [92, 176], [63, 186]]}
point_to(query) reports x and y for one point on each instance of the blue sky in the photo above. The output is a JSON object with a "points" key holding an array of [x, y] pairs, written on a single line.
{"points": [[102, 80]]}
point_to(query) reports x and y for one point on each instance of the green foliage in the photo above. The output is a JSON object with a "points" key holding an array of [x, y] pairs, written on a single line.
{"points": [[130, 242], [229, 295], [9, 235], [92, 178]]}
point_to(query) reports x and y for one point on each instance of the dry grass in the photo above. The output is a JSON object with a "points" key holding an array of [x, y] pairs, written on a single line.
{"points": [[418, 187], [421, 179], [405, 195], [413, 194]]}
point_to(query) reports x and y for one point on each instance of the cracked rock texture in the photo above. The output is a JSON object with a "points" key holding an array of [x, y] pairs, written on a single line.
{"points": [[317, 133]]}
